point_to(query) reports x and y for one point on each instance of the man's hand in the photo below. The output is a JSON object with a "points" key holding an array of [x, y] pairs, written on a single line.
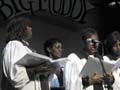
{"points": [[95, 79]]}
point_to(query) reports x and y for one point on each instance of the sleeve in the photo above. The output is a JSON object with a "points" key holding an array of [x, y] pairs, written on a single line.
{"points": [[85, 81], [16, 74], [116, 84], [72, 70]]}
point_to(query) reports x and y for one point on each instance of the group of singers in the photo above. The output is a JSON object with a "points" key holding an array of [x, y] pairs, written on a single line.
{"points": [[17, 77]]}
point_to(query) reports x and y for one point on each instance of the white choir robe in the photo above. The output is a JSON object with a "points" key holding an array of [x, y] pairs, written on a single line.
{"points": [[17, 74], [72, 78], [116, 73]]}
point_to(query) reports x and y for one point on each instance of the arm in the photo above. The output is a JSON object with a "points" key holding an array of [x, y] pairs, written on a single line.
{"points": [[94, 79]]}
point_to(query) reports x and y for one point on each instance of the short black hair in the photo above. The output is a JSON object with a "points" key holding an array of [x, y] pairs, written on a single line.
{"points": [[49, 44], [111, 40], [16, 28]]}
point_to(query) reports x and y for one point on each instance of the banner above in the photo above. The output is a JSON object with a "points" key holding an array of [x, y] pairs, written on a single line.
{"points": [[73, 9]]}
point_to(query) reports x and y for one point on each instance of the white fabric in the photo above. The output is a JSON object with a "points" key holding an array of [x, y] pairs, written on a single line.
{"points": [[116, 74], [72, 71], [16, 74], [72, 76]]}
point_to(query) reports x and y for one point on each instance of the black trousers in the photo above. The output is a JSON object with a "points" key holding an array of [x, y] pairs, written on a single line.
{"points": [[58, 88]]}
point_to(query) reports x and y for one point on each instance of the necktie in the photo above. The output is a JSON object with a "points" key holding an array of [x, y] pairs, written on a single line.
{"points": [[60, 77], [44, 82]]}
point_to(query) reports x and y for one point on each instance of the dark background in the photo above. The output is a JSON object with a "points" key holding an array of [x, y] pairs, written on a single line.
{"points": [[103, 18]]}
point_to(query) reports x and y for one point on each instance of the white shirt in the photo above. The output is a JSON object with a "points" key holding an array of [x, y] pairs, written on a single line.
{"points": [[17, 74], [53, 81], [53, 78]]}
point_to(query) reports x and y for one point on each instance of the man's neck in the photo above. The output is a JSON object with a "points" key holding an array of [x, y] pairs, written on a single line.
{"points": [[53, 57]]}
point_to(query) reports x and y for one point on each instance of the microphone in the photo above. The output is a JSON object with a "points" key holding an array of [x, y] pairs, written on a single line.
{"points": [[98, 45], [95, 42]]}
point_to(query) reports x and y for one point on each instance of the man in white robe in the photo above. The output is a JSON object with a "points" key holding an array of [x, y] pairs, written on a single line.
{"points": [[53, 49], [112, 44], [15, 76], [73, 80]]}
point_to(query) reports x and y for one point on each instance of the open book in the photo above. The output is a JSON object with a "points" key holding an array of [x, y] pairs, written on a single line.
{"points": [[93, 65], [41, 63]]}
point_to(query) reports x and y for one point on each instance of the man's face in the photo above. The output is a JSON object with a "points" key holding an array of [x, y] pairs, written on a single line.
{"points": [[56, 50], [92, 46], [28, 32], [116, 48]]}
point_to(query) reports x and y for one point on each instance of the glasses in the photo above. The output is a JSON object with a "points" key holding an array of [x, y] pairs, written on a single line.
{"points": [[92, 41]]}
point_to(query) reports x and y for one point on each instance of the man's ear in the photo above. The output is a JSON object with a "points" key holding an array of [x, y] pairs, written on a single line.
{"points": [[48, 49]]}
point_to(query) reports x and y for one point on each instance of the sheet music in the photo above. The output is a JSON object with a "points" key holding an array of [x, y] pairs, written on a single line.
{"points": [[93, 65], [41, 63], [34, 59]]}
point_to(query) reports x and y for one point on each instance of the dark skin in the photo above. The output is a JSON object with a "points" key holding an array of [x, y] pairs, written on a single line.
{"points": [[28, 33], [92, 50], [55, 51], [116, 49]]}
